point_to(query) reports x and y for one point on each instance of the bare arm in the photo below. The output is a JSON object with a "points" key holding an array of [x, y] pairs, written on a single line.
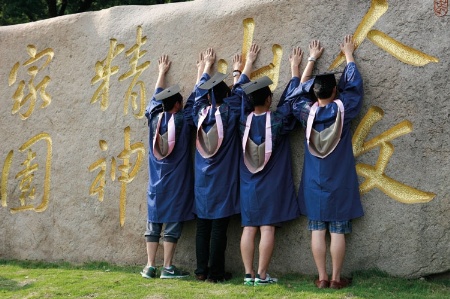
{"points": [[163, 66], [296, 59], [315, 51], [348, 47], [251, 57], [200, 66]]}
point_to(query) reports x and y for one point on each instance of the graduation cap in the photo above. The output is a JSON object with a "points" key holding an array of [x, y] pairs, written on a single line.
{"points": [[256, 84], [213, 81], [209, 85], [325, 78], [167, 93]]}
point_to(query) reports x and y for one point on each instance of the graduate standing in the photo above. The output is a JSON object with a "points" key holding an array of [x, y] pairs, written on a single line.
{"points": [[329, 190], [216, 115], [267, 188], [170, 190]]}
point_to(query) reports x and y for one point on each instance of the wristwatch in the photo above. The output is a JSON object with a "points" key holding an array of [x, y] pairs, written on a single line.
{"points": [[236, 73]]}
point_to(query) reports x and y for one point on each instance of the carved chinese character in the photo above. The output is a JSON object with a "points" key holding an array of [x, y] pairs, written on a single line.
{"points": [[374, 175], [135, 72], [27, 93]]}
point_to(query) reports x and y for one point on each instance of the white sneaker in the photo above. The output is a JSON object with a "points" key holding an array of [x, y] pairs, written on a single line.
{"points": [[263, 282]]}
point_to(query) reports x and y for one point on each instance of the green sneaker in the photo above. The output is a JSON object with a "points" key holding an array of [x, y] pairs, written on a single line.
{"points": [[249, 280], [148, 272], [173, 272], [264, 282]]}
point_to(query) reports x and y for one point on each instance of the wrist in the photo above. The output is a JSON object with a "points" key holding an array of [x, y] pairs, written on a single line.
{"points": [[312, 58], [236, 73]]}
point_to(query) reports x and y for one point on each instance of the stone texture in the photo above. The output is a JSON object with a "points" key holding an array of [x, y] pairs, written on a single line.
{"points": [[408, 240]]}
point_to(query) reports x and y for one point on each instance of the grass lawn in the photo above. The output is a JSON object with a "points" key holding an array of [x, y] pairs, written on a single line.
{"points": [[26, 279]]}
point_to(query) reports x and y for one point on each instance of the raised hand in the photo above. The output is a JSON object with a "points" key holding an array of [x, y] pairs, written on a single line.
{"points": [[163, 64], [347, 47], [209, 57], [315, 49], [296, 56], [253, 53], [238, 64]]}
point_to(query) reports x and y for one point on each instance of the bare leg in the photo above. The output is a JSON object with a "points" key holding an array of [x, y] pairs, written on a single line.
{"points": [[152, 248], [337, 250], [319, 250], [169, 251], [248, 248], [265, 249]]}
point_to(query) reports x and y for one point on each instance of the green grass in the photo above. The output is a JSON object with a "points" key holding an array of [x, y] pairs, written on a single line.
{"points": [[27, 279]]}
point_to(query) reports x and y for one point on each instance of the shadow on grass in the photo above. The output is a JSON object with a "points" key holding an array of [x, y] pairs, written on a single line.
{"points": [[12, 285]]}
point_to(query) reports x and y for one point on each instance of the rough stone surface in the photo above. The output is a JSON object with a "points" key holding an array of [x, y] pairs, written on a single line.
{"points": [[408, 240]]}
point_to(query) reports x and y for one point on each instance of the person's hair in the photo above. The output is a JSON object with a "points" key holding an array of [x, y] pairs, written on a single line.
{"points": [[170, 102], [221, 91], [258, 97], [323, 86]]}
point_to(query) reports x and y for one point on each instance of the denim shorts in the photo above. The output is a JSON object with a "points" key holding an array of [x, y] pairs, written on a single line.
{"points": [[336, 227], [172, 231]]}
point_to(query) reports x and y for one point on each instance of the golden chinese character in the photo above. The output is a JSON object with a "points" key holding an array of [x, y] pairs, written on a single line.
{"points": [[374, 175], [272, 70], [19, 97], [4, 181], [27, 176], [400, 51], [135, 72], [128, 170], [98, 185], [104, 70]]}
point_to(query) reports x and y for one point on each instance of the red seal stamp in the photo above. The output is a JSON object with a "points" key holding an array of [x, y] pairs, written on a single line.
{"points": [[440, 7]]}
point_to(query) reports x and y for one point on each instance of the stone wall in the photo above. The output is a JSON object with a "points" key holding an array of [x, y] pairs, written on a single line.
{"points": [[71, 116]]}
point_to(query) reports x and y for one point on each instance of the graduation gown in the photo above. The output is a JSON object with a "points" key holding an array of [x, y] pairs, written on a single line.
{"points": [[217, 177], [268, 196], [170, 195], [329, 189]]}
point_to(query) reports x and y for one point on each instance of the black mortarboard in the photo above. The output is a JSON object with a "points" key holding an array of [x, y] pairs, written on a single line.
{"points": [[213, 81], [167, 93], [325, 78], [256, 84]]}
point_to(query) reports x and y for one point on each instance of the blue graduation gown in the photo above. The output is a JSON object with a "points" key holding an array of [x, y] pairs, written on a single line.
{"points": [[268, 197], [170, 195], [217, 177], [329, 189]]}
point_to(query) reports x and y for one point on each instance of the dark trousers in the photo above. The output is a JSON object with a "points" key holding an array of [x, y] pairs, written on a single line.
{"points": [[211, 242]]}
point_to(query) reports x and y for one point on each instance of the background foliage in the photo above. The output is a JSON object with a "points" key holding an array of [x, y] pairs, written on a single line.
{"points": [[24, 11]]}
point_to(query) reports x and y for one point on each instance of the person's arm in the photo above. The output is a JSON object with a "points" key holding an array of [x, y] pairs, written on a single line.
{"points": [[315, 51], [251, 57], [210, 58], [348, 47], [154, 105], [350, 85], [200, 66], [296, 58], [163, 67], [238, 65]]}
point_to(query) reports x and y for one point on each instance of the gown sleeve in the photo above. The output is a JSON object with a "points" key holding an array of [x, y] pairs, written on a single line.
{"points": [[284, 107], [201, 99], [301, 101], [154, 107], [351, 91]]}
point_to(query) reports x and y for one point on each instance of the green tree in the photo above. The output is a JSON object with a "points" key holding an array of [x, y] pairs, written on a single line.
{"points": [[24, 11]]}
